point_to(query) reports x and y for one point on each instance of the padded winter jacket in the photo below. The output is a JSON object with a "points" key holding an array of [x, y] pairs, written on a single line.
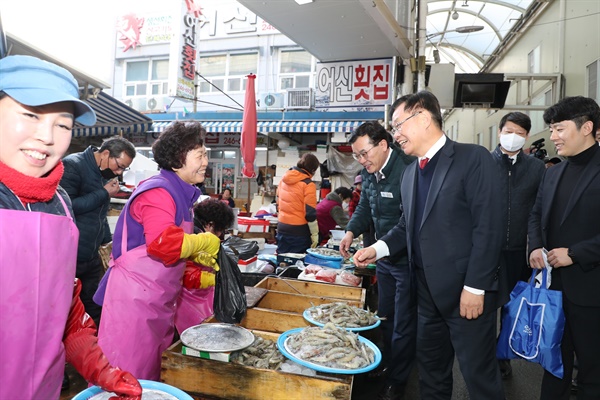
{"points": [[85, 186], [380, 201], [520, 183], [296, 202]]}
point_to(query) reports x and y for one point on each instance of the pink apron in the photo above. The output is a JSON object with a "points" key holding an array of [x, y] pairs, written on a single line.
{"points": [[137, 322], [38, 255], [194, 306]]}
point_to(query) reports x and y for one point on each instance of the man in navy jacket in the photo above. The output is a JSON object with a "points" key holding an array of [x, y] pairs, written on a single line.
{"points": [[90, 179]]}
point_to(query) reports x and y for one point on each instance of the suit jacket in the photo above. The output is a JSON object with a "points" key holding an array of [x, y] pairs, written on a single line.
{"points": [[461, 229], [580, 224]]}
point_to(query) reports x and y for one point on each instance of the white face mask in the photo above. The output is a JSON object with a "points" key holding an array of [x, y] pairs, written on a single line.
{"points": [[511, 141]]}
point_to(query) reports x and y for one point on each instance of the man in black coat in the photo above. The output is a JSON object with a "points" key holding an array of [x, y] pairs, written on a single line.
{"points": [[519, 181], [453, 232], [565, 221], [90, 179]]}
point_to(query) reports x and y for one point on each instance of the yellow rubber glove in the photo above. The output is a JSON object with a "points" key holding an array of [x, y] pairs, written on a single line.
{"points": [[314, 233], [207, 279], [205, 242], [205, 259]]}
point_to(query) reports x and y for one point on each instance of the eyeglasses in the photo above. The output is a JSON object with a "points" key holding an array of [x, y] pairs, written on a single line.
{"points": [[119, 166], [398, 127], [362, 154]]}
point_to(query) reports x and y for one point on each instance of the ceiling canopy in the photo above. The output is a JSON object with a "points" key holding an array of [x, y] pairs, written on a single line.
{"points": [[469, 51]]}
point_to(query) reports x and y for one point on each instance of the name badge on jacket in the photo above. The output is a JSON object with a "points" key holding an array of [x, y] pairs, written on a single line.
{"points": [[387, 195]]}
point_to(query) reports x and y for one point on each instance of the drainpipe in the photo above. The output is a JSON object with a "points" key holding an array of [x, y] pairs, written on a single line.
{"points": [[421, 37]]}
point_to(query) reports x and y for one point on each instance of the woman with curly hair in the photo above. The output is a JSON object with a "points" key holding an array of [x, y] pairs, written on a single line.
{"points": [[195, 303], [152, 241]]}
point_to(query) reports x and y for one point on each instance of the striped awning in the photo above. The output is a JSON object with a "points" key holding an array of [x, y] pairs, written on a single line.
{"points": [[273, 126], [113, 118]]}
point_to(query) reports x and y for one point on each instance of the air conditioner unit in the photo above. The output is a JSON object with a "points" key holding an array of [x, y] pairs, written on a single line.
{"points": [[137, 103], [157, 103], [270, 100], [300, 99]]}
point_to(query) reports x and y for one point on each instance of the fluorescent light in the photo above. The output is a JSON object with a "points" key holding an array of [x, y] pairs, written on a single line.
{"points": [[303, 1]]}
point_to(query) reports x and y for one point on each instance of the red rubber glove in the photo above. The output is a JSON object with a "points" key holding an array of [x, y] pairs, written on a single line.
{"points": [[173, 244], [83, 352], [196, 278]]}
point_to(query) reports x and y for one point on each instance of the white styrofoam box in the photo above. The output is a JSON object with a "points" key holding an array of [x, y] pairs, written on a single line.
{"points": [[248, 265]]}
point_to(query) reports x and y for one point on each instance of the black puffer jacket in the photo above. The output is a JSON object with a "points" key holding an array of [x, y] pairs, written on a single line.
{"points": [[380, 201], [520, 182], [85, 186]]}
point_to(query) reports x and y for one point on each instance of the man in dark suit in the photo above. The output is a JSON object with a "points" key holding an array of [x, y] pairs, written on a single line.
{"points": [[565, 221], [452, 230]]}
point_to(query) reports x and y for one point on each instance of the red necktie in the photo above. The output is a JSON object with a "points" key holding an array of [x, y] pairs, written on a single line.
{"points": [[423, 162]]}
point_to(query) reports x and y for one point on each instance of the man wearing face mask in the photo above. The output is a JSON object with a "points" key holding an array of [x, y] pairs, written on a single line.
{"points": [[90, 179], [521, 176]]}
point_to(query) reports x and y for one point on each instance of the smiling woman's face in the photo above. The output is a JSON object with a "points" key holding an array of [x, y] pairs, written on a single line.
{"points": [[194, 169], [34, 139]]}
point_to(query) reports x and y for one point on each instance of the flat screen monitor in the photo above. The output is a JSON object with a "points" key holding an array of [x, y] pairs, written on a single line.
{"points": [[478, 93]]}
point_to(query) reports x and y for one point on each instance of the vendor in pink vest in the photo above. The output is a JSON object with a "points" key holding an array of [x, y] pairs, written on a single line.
{"points": [[42, 319], [331, 212], [151, 243]]}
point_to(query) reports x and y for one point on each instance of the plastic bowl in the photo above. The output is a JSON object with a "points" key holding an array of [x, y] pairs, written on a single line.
{"points": [[180, 394], [337, 234]]}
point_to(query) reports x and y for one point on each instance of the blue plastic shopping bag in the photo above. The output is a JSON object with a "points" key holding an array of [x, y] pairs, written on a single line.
{"points": [[533, 323]]}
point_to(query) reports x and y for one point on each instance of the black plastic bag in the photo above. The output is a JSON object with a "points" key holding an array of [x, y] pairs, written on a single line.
{"points": [[240, 249], [230, 295]]}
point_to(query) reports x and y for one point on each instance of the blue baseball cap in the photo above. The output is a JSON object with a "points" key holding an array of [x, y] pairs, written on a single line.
{"points": [[34, 82]]}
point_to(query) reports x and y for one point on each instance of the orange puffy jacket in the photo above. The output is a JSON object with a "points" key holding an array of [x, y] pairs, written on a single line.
{"points": [[296, 202]]}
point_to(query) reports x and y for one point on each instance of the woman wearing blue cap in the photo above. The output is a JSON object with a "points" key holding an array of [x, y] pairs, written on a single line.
{"points": [[43, 320]]}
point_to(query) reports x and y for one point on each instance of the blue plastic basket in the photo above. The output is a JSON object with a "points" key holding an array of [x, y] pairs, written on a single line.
{"points": [[180, 394], [312, 257]]}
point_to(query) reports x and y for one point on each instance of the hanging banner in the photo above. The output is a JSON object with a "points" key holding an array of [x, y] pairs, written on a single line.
{"points": [[184, 53]]}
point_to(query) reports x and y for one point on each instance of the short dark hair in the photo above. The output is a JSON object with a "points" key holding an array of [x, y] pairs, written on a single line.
{"points": [[309, 162], [374, 130], [518, 118], [425, 100], [343, 192], [215, 212], [117, 145], [578, 109], [172, 146]]}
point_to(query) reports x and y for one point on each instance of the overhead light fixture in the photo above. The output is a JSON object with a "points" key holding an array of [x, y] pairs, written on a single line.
{"points": [[301, 2], [460, 29], [469, 28], [455, 15]]}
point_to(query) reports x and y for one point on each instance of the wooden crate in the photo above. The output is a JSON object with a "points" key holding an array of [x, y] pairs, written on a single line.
{"points": [[210, 379], [300, 287], [297, 303], [270, 320]]}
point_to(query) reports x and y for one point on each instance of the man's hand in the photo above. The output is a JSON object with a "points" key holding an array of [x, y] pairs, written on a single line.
{"points": [[559, 257], [536, 259], [471, 305], [364, 257], [345, 244], [112, 187]]}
